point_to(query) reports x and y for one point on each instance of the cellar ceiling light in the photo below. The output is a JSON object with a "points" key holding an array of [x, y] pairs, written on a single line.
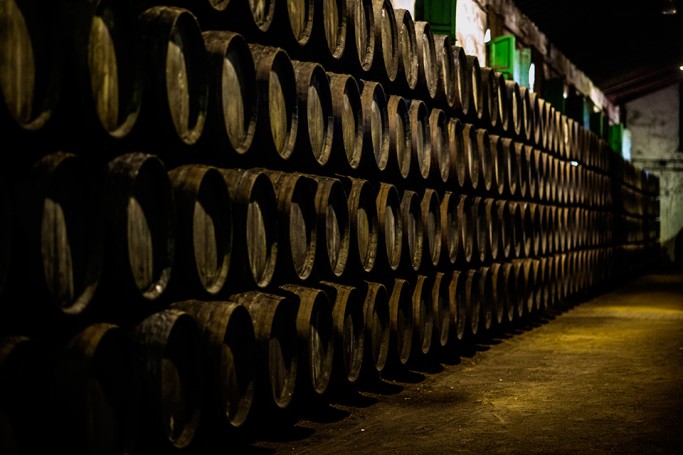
{"points": [[669, 7], [574, 163]]}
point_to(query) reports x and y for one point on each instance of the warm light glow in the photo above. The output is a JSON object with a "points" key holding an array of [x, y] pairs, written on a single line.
{"points": [[681, 67], [669, 7], [487, 35], [574, 163]]}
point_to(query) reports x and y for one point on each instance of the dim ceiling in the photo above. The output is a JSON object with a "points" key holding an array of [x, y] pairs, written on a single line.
{"points": [[628, 49]]}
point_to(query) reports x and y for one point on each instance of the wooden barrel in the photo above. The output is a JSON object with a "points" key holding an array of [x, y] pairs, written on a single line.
{"points": [[349, 331], [57, 238], [548, 227], [441, 308], [563, 186], [466, 229], [536, 267], [347, 139], [104, 75], [333, 227], [549, 294], [472, 155], [361, 21], [515, 110], [489, 98], [255, 225], [457, 150], [493, 229], [473, 302], [440, 168], [297, 222], [545, 174], [204, 229], [547, 120], [461, 100], [296, 19], [28, 397], [98, 395], [489, 85], [500, 179], [527, 126], [486, 298], [519, 297], [554, 230], [330, 29], [498, 293], [274, 320], [476, 111], [277, 103], [479, 230], [377, 326], [517, 236], [423, 315], [390, 230], [532, 172], [531, 284], [398, 165], [526, 303], [177, 89], [401, 319], [505, 229], [314, 339], [511, 167], [168, 349], [450, 228], [364, 225], [375, 127], [232, 91], [510, 292], [486, 161], [557, 132], [413, 230], [536, 229], [314, 110], [536, 119], [31, 67], [562, 228], [458, 304], [446, 90], [408, 64], [385, 28], [421, 144], [254, 18], [431, 221], [522, 170], [428, 71], [527, 229], [229, 345], [564, 138], [502, 106], [140, 226]]}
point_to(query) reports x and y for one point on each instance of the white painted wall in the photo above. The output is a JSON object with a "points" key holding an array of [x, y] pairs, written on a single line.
{"points": [[405, 4], [470, 27], [654, 124]]}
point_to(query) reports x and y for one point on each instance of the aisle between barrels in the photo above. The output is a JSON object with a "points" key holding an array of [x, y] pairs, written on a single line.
{"points": [[602, 376]]}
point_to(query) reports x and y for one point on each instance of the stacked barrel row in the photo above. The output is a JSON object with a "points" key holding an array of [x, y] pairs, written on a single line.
{"points": [[218, 215]]}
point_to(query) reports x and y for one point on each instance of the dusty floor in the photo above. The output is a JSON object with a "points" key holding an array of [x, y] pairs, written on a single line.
{"points": [[605, 376]]}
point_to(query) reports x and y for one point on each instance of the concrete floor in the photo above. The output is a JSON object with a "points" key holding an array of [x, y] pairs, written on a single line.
{"points": [[601, 377]]}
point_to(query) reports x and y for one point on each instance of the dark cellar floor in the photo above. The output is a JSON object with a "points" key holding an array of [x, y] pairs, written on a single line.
{"points": [[601, 377]]}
